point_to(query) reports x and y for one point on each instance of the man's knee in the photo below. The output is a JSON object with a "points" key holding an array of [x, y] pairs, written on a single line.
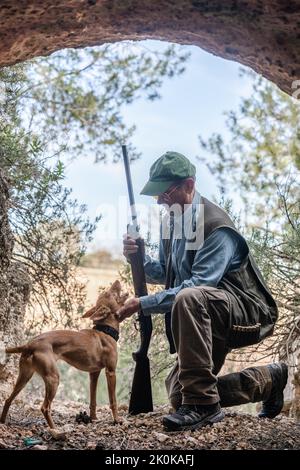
{"points": [[190, 296]]}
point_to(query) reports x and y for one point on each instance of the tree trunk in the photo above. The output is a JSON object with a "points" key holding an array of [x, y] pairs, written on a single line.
{"points": [[14, 294]]}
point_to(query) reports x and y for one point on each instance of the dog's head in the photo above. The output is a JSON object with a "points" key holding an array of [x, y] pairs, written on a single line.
{"points": [[108, 302]]}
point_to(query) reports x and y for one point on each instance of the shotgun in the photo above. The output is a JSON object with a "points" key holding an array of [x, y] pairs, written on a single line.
{"points": [[141, 390]]}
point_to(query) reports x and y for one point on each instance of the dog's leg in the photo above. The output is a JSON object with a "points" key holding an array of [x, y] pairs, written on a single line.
{"points": [[111, 385], [51, 384], [93, 393], [25, 373], [45, 365]]}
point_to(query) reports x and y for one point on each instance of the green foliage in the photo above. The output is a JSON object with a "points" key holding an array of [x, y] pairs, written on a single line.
{"points": [[260, 162], [262, 154], [75, 97], [53, 109], [50, 228]]}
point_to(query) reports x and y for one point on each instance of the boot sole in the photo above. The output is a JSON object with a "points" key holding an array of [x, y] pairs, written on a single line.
{"points": [[209, 421]]}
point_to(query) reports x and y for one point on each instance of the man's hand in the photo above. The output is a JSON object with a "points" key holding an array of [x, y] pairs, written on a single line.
{"points": [[129, 246], [130, 307]]}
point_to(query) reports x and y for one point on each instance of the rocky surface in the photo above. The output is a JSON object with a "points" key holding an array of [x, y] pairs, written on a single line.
{"points": [[236, 431], [263, 34]]}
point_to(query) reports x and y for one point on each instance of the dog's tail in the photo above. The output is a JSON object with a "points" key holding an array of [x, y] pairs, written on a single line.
{"points": [[16, 350]]}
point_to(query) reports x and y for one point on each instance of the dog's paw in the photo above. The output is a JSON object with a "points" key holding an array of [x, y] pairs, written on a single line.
{"points": [[118, 421], [58, 434]]}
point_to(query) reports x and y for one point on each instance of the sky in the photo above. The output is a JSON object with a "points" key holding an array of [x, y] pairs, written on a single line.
{"points": [[191, 104]]}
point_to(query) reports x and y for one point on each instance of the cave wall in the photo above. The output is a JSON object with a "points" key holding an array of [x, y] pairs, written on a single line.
{"points": [[14, 294], [262, 34]]}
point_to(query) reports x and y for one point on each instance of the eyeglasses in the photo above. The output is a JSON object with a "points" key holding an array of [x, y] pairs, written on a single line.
{"points": [[167, 193]]}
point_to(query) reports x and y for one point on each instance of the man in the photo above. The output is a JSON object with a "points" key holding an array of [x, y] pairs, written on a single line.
{"points": [[219, 301]]}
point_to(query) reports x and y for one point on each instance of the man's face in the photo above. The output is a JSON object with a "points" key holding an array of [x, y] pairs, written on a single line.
{"points": [[177, 193], [170, 196]]}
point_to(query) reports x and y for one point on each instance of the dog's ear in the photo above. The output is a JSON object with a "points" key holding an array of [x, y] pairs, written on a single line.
{"points": [[116, 286], [101, 312], [89, 312]]}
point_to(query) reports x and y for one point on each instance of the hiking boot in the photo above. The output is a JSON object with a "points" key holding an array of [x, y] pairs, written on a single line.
{"points": [[273, 405], [193, 417]]}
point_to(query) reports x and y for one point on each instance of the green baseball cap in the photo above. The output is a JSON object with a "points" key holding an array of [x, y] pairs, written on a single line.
{"points": [[167, 170]]}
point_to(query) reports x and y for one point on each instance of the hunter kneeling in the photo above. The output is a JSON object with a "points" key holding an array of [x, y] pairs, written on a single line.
{"points": [[217, 297]]}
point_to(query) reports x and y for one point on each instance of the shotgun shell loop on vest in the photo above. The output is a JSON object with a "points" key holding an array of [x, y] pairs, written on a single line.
{"points": [[241, 336]]}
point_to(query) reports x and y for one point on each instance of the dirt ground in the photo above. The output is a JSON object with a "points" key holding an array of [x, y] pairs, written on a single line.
{"points": [[145, 431]]}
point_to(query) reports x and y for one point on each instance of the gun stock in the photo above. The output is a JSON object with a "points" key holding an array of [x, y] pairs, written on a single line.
{"points": [[141, 390]]}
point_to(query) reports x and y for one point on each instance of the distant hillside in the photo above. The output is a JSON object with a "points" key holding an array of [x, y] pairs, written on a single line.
{"points": [[98, 277], [98, 269], [100, 259]]}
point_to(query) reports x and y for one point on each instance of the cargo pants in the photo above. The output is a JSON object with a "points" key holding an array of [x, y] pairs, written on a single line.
{"points": [[200, 322]]}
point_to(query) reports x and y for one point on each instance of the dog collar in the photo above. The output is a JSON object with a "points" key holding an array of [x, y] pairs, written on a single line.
{"points": [[109, 330]]}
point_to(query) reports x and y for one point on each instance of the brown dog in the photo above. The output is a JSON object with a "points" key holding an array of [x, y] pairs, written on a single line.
{"points": [[88, 350]]}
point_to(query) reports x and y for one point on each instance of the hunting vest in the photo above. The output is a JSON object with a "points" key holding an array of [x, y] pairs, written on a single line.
{"points": [[254, 312]]}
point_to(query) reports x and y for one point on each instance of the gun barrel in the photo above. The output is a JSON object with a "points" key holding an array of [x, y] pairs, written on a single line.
{"points": [[141, 390], [129, 185]]}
